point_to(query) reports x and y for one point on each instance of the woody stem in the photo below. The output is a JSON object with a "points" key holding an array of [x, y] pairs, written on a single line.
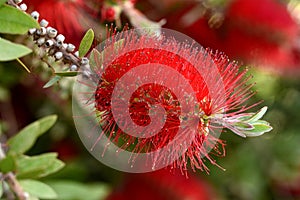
{"points": [[11, 180]]}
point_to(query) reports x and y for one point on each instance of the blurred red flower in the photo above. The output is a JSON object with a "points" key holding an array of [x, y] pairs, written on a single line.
{"points": [[255, 31], [66, 149], [162, 185]]}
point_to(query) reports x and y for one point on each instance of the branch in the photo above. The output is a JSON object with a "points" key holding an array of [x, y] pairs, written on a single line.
{"points": [[52, 43], [11, 180]]}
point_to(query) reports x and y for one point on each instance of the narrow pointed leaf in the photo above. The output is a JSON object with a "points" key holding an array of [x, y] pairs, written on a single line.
{"points": [[259, 129], [235, 130], [243, 126], [258, 115], [1, 191], [86, 43], [38, 166], [52, 81], [244, 116], [11, 51], [15, 21], [118, 45], [33, 198], [261, 122], [46, 123], [38, 189], [26, 138], [70, 190], [95, 59], [66, 74]]}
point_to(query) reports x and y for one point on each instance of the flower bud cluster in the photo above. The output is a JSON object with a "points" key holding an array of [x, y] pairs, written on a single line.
{"points": [[48, 39]]}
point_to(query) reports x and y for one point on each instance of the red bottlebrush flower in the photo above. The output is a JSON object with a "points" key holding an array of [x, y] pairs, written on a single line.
{"points": [[66, 16], [162, 185], [198, 94], [259, 31]]}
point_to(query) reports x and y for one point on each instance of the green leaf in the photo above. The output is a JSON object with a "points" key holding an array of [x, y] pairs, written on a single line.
{"points": [[259, 129], [261, 122], [11, 51], [46, 123], [52, 81], [33, 198], [258, 115], [243, 126], [244, 116], [2, 2], [95, 59], [7, 164], [86, 43], [70, 190], [118, 45], [26, 138], [38, 189], [15, 21], [38, 166], [1, 190], [67, 74]]}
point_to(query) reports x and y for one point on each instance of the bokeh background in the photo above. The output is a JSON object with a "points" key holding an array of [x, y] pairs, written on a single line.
{"points": [[262, 35]]}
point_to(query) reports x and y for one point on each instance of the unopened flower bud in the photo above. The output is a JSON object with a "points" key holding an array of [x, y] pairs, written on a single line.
{"points": [[76, 53], [64, 45], [73, 68], [52, 32], [44, 23], [110, 14], [59, 44], [40, 41], [60, 39], [35, 15], [42, 31], [58, 55], [70, 48], [31, 31], [23, 7], [84, 61], [49, 43]]}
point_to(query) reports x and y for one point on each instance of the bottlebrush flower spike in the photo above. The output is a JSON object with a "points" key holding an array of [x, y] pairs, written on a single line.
{"points": [[159, 101]]}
